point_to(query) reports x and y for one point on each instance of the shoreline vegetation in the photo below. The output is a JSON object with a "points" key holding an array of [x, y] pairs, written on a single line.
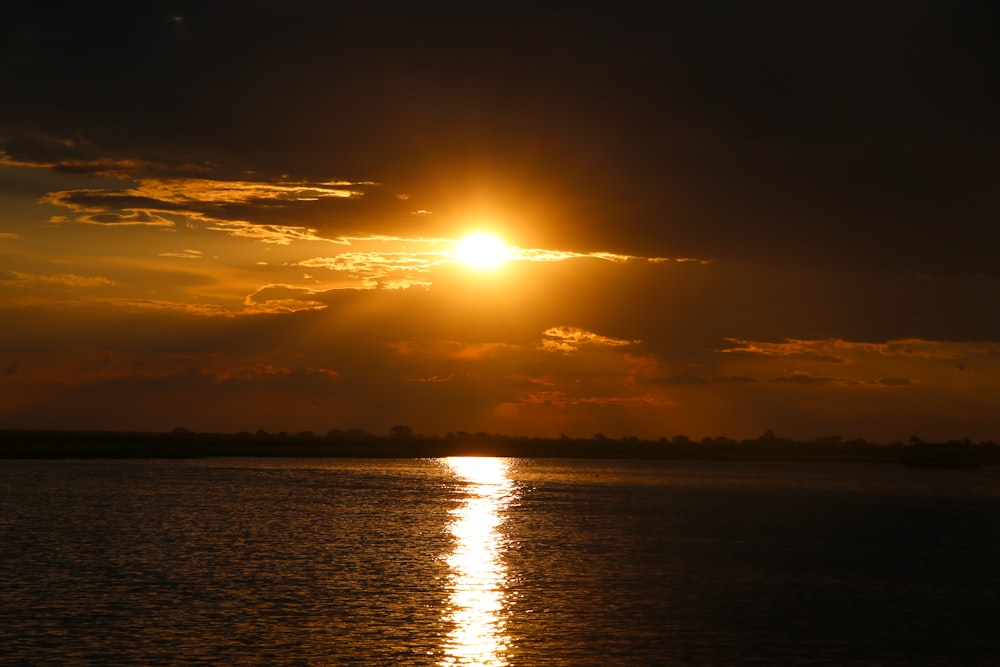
{"points": [[401, 442]]}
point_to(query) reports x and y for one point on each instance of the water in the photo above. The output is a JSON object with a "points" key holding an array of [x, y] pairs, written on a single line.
{"points": [[496, 562]]}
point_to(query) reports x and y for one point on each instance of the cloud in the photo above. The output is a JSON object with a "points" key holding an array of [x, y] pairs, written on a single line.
{"points": [[185, 254], [77, 155], [804, 378], [562, 399], [192, 393], [682, 379], [895, 382], [950, 351], [858, 353], [905, 369], [384, 269], [276, 234], [127, 217], [430, 379], [449, 349], [692, 379], [818, 351], [384, 365], [67, 279], [273, 209], [570, 339], [249, 209], [145, 306], [283, 299], [197, 191], [547, 255], [422, 260]]}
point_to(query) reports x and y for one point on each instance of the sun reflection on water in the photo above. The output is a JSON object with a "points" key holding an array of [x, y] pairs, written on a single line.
{"points": [[478, 574]]}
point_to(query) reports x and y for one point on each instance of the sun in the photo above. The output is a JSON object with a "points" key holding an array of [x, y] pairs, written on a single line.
{"points": [[482, 251]]}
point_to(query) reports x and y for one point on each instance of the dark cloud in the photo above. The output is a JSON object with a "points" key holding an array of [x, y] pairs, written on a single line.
{"points": [[802, 378], [129, 218], [696, 380], [41, 150], [683, 379], [94, 200], [332, 208], [737, 379], [895, 382]]}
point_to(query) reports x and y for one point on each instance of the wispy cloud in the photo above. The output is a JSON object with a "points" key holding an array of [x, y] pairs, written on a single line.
{"points": [[76, 155], [276, 234], [570, 339], [283, 299], [804, 378], [827, 350], [371, 262], [893, 382], [562, 399], [450, 349], [240, 208], [368, 263], [126, 217], [832, 350], [67, 279], [185, 254], [159, 192], [544, 255]]}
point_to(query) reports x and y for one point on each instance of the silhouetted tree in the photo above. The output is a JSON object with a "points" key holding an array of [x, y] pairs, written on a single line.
{"points": [[400, 431]]}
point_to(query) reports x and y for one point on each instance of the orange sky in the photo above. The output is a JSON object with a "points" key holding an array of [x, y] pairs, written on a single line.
{"points": [[278, 250]]}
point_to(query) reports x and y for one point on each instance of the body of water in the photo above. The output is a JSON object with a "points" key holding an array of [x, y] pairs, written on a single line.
{"points": [[504, 562]]}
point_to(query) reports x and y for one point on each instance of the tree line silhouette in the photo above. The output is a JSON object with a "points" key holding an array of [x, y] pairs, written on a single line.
{"points": [[402, 441]]}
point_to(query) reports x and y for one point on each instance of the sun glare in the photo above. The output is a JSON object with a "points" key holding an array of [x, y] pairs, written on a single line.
{"points": [[482, 251]]}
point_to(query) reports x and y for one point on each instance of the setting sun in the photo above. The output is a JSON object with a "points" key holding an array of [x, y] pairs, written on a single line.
{"points": [[482, 251]]}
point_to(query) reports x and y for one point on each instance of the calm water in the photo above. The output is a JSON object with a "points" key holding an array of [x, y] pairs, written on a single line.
{"points": [[496, 562]]}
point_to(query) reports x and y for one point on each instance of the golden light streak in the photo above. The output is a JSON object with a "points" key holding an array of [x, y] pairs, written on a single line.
{"points": [[478, 575]]}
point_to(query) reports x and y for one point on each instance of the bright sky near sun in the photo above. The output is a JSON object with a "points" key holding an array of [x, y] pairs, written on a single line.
{"points": [[482, 251], [719, 223]]}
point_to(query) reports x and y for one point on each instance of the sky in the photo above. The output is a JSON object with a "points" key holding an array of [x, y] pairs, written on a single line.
{"points": [[717, 218]]}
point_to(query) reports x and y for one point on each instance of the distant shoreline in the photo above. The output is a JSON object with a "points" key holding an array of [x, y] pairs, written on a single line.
{"points": [[181, 444]]}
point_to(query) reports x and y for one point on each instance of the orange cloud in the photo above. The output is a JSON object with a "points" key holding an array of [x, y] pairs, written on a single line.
{"points": [[569, 339], [562, 399], [186, 254], [282, 299], [454, 350], [238, 207], [68, 279]]}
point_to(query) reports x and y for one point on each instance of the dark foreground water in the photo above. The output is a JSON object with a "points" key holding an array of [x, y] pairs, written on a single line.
{"points": [[496, 562]]}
